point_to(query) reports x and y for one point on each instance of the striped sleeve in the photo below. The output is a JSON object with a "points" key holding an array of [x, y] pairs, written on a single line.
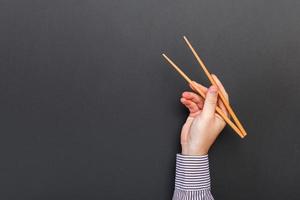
{"points": [[192, 179]]}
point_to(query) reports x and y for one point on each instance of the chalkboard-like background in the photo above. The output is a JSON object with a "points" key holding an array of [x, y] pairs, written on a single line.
{"points": [[90, 110]]}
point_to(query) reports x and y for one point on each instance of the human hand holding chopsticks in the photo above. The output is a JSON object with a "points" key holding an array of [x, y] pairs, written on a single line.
{"points": [[203, 124], [237, 126]]}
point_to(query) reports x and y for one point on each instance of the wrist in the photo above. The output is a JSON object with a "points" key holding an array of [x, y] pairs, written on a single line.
{"points": [[189, 151]]}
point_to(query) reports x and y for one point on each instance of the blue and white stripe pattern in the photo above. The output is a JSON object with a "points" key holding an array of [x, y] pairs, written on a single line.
{"points": [[192, 180]]}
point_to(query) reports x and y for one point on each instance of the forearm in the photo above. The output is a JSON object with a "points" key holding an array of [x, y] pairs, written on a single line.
{"points": [[192, 180]]}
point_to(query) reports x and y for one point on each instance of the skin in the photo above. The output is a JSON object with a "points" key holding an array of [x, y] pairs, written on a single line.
{"points": [[203, 125]]}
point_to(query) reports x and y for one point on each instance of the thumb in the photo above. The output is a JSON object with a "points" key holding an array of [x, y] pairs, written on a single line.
{"points": [[210, 102]]}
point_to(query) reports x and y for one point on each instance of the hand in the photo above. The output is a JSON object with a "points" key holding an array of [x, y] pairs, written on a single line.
{"points": [[203, 125]]}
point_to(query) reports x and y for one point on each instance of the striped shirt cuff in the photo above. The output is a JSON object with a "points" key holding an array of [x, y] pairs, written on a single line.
{"points": [[192, 172]]}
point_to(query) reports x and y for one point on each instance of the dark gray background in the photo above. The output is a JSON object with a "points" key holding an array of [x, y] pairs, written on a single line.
{"points": [[90, 110]]}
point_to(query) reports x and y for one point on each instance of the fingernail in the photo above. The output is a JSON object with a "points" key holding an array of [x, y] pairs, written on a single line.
{"points": [[213, 89], [192, 84]]}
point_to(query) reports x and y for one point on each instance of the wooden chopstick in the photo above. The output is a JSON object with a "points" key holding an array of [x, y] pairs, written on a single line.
{"points": [[219, 110], [223, 99]]}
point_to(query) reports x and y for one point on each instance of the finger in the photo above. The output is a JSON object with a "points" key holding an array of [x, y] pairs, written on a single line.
{"points": [[194, 97], [190, 105], [223, 108], [220, 86], [199, 86], [210, 102]]}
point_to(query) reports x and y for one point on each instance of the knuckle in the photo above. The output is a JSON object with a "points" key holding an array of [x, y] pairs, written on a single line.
{"points": [[210, 101]]}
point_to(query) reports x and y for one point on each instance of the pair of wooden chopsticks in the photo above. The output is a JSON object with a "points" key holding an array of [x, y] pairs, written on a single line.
{"points": [[237, 127]]}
